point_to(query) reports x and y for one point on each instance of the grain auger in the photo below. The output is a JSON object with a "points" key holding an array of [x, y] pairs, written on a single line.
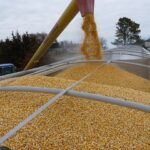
{"points": [[84, 6]]}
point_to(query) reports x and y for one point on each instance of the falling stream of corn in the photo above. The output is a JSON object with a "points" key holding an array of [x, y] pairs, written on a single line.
{"points": [[91, 46]]}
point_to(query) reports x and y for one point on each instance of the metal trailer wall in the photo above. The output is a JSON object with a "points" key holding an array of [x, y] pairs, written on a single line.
{"points": [[131, 54], [138, 70]]}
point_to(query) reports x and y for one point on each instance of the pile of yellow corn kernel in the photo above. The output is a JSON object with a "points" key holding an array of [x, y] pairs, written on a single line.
{"points": [[75, 123]]}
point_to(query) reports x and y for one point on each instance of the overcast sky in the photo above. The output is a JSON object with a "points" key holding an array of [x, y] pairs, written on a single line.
{"points": [[40, 16]]}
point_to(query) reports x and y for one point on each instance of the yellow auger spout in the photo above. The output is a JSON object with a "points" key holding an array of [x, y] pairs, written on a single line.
{"points": [[64, 20]]}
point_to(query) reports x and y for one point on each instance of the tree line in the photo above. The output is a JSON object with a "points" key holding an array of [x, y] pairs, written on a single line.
{"points": [[19, 48]]}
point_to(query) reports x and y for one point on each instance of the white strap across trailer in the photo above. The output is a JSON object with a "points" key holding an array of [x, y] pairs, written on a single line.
{"points": [[94, 97]]}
